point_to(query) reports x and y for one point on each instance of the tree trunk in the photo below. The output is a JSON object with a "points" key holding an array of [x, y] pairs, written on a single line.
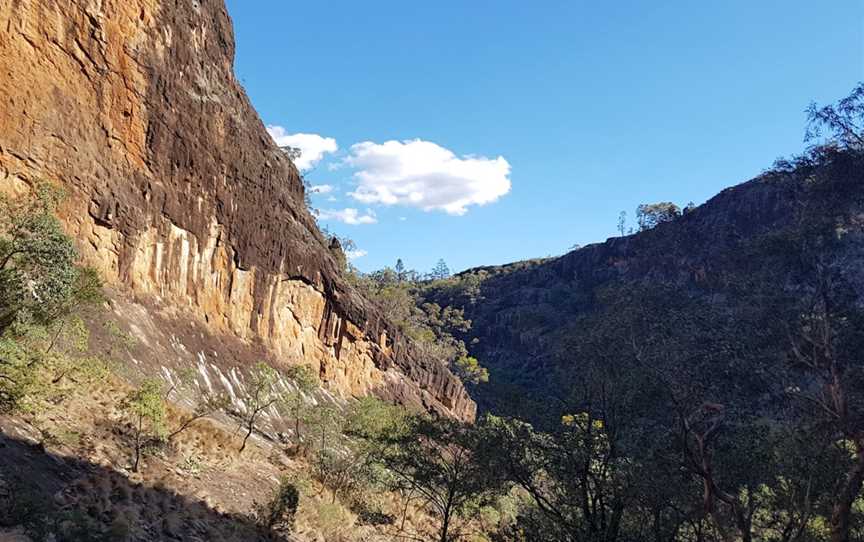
{"points": [[614, 526], [137, 445], [445, 527], [851, 489], [745, 529], [249, 429], [658, 536]]}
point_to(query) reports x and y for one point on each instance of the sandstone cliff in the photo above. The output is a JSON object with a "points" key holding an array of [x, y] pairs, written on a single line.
{"points": [[182, 200]]}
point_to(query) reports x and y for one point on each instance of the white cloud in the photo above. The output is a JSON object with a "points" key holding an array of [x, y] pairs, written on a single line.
{"points": [[321, 188], [354, 254], [348, 216], [422, 174], [312, 147]]}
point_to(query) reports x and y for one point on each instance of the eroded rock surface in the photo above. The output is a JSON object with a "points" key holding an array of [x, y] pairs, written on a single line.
{"points": [[179, 196]]}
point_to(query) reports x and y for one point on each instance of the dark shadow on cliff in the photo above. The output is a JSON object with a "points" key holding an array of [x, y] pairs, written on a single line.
{"points": [[76, 500]]}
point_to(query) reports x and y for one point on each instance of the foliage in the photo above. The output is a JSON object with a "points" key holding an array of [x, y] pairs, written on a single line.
{"points": [[649, 215], [469, 370], [827, 379], [42, 294], [350, 468], [435, 330], [440, 271], [436, 461], [145, 407], [576, 480], [261, 394], [374, 420], [836, 131], [844, 121], [38, 276], [327, 421], [303, 377], [279, 512], [305, 381], [347, 474]]}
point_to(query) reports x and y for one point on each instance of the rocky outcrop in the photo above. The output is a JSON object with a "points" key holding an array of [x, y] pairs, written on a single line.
{"points": [[762, 235], [178, 195]]}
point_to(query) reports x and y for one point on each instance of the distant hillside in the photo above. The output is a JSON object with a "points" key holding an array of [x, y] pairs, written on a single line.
{"points": [[756, 239]]}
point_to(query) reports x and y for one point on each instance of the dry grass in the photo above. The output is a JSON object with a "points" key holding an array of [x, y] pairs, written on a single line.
{"points": [[195, 487]]}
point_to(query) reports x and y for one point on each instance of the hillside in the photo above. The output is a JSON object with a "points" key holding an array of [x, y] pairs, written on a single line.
{"points": [[767, 234], [181, 200]]}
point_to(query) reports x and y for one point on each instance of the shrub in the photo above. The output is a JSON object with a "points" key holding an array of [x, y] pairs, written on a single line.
{"points": [[278, 514], [41, 291], [146, 408]]}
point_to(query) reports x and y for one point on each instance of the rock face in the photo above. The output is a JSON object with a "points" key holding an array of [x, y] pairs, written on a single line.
{"points": [[179, 196], [753, 237]]}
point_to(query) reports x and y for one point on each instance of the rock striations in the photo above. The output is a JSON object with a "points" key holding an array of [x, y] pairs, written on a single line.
{"points": [[179, 196]]}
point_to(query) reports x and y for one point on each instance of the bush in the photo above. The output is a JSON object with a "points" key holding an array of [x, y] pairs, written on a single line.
{"points": [[279, 513], [146, 409], [41, 291], [368, 515]]}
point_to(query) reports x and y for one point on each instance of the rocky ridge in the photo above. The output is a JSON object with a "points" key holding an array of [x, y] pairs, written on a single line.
{"points": [[762, 234]]}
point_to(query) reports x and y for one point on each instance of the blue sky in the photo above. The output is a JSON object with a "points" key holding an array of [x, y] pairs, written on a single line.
{"points": [[538, 122]]}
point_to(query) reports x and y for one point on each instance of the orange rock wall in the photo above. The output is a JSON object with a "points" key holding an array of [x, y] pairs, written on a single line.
{"points": [[178, 195]]}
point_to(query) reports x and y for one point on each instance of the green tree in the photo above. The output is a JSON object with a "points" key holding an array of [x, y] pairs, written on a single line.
{"points": [[261, 393], [37, 260], [279, 512], [351, 469], [305, 380], [434, 459], [146, 408], [371, 419], [469, 370], [42, 293], [649, 215], [577, 481], [440, 271], [328, 422]]}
